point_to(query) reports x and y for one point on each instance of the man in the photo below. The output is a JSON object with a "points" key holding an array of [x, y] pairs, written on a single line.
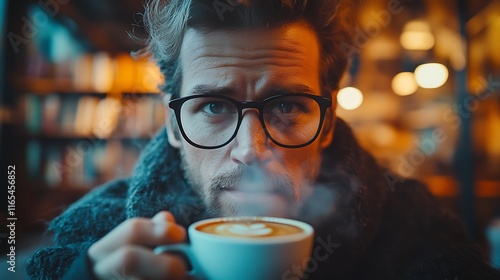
{"points": [[251, 130]]}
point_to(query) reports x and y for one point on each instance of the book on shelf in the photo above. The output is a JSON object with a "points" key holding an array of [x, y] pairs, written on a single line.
{"points": [[50, 113], [89, 171], [67, 115], [32, 107], [143, 117], [55, 173], [107, 117], [85, 115], [33, 159]]}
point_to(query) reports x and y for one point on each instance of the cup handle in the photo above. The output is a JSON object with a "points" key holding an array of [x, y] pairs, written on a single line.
{"points": [[195, 272]]}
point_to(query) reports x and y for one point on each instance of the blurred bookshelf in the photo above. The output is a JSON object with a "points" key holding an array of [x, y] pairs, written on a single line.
{"points": [[81, 113], [85, 120], [81, 126]]}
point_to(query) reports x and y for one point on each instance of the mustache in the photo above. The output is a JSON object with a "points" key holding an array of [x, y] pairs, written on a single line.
{"points": [[254, 179]]}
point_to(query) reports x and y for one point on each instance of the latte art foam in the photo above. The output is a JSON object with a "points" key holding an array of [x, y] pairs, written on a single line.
{"points": [[249, 229], [244, 230]]}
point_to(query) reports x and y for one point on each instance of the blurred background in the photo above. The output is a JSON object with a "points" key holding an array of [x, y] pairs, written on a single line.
{"points": [[422, 94]]}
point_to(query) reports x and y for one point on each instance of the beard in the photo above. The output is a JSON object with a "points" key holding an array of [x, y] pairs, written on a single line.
{"points": [[247, 178]]}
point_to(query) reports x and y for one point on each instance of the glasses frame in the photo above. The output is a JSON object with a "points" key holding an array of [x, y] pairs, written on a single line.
{"points": [[323, 102]]}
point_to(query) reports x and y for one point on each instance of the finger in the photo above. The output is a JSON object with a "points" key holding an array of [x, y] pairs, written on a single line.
{"points": [[163, 216], [172, 233], [162, 220], [136, 231], [140, 262]]}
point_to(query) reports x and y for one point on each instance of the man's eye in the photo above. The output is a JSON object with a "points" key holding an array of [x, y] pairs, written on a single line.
{"points": [[216, 108], [286, 108]]}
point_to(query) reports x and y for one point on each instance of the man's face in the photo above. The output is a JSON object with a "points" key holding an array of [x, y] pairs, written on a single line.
{"points": [[251, 175]]}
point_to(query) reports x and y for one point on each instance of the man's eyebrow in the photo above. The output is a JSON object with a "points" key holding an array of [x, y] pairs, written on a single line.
{"points": [[205, 89], [294, 89]]}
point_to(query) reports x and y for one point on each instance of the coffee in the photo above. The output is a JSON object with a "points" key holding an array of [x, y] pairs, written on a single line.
{"points": [[223, 248], [249, 229]]}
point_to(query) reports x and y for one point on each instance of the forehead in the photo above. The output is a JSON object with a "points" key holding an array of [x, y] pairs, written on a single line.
{"points": [[251, 60]]}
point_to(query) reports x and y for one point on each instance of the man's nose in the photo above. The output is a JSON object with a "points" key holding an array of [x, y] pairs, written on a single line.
{"points": [[251, 145]]}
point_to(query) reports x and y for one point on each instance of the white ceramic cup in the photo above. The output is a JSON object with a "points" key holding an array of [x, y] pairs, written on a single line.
{"points": [[221, 257]]}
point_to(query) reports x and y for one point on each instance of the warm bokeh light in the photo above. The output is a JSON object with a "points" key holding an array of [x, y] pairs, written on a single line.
{"points": [[383, 135], [431, 75], [83, 73], [107, 116], [404, 84], [417, 25], [103, 72], [126, 73], [152, 77], [350, 98], [417, 36]]}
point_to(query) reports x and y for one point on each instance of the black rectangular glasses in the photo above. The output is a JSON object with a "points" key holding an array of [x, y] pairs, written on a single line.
{"points": [[211, 121]]}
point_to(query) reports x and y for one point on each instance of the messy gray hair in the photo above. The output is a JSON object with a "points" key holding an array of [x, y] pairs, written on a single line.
{"points": [[167, 20]]}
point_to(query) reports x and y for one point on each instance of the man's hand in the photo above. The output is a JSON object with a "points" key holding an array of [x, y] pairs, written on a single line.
{"points": [[126, 251]]}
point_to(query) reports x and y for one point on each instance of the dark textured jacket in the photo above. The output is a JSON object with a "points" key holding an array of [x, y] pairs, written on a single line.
{"points": [[372, 224]]}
